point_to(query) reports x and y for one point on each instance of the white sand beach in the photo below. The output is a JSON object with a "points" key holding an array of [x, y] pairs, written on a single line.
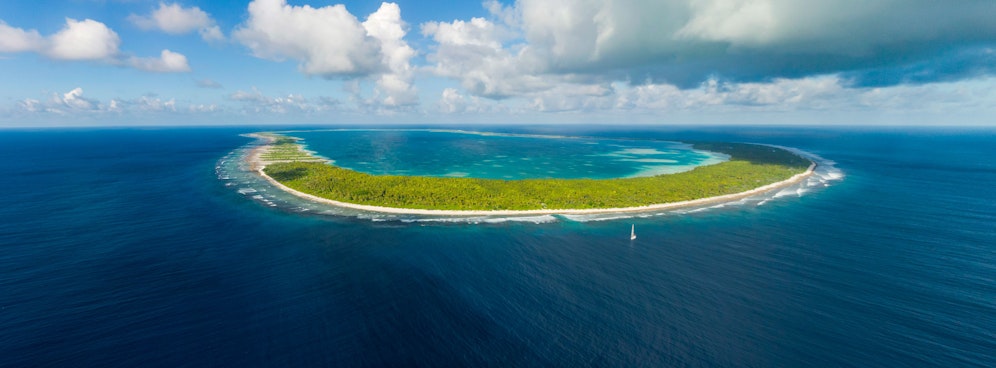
{"points": [[257, 164]]}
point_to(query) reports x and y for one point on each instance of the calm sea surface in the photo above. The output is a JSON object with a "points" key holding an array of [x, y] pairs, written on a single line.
{"points": [[142, 247]]}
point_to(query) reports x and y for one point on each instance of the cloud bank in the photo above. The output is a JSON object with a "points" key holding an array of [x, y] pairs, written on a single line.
{"points": [[658, 58], [86, 40], [255, 102], [535, 45]]}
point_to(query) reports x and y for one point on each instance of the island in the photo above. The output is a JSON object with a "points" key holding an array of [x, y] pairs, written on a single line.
{"points": [[751, 169]]}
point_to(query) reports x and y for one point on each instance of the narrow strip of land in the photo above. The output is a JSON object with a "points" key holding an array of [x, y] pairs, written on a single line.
{"points": [[264, 155]]}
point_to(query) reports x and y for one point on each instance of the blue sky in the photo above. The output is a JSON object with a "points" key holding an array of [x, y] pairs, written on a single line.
{"points": [[136, 62]]}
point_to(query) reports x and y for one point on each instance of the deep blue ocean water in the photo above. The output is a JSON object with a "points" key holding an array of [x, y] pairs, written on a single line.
{"points": [[123, 247]]}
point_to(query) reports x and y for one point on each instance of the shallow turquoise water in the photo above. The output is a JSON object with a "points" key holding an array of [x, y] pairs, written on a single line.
{"points": [[493, 156]]}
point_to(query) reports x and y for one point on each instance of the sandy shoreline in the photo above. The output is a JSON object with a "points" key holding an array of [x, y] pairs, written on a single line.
{"points": [[257, 164]]}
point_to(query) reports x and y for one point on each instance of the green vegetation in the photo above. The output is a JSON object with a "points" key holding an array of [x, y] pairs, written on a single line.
{"points": [[750, 166], [286, 149]]}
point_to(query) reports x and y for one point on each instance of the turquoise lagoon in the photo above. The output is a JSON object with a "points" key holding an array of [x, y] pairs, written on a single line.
{"points": [[501, 156]]}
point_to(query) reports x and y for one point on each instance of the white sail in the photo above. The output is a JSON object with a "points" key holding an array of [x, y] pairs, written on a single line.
{"points": [[632, 232]]}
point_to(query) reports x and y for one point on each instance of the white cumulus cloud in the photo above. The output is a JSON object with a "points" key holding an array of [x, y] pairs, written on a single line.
{"points": [[83, 40], [86, 40], [331, 42], [176, 19], [18, 40], [74, 100], [474, 52], [167, 62], [386, 26], [327, 41]]}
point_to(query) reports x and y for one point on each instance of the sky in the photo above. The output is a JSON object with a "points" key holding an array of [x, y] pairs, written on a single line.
{"points": [[223, 62]]}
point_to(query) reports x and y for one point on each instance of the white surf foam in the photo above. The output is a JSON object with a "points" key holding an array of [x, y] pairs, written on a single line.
{"points": [[651, 160], [640, 151]]}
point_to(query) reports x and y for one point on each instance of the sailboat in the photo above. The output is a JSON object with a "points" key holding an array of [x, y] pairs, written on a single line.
{"points": [[632, 232]]}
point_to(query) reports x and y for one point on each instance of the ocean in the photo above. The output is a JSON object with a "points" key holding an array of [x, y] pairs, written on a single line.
{"points": [[149, 247]]}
